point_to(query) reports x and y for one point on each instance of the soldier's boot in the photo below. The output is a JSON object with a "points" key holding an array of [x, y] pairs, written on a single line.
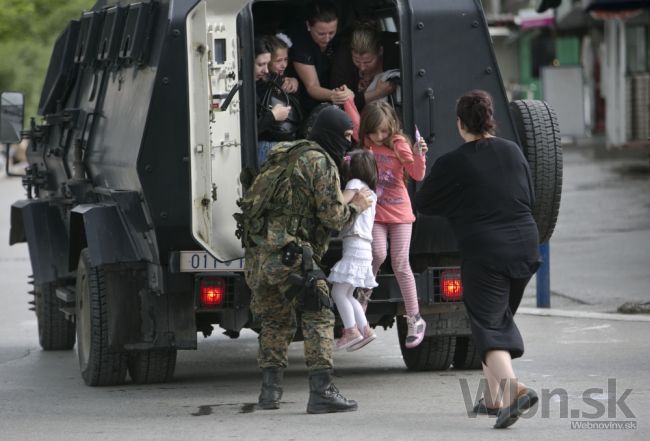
{"points": [[324, 397], [271, 388]]}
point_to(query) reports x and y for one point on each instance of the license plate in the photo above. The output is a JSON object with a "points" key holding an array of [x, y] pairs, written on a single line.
{"points": [[202, 261]]}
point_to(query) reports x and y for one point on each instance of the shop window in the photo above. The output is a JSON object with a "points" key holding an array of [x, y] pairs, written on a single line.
{"points": [[638, 49]]}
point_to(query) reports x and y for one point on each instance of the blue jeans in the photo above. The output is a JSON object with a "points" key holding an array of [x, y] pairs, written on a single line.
{"points": [[263, 148]]}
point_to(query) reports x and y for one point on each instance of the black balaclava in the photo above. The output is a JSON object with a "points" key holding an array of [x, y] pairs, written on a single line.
{"points": [[329, 132]]}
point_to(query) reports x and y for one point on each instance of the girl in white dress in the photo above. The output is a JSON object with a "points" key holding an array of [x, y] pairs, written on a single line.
{"points": [[354, 270]]}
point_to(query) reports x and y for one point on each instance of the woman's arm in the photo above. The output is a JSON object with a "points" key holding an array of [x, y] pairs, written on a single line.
{"points": [[309, 78], [265, 120], [381, 90]]}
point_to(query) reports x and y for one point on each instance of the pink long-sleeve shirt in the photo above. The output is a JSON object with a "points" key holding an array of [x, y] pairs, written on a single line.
{"points": [[393, 201]]}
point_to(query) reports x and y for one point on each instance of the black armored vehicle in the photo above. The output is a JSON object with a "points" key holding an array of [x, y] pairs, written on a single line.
{"points": [[149, 116]]}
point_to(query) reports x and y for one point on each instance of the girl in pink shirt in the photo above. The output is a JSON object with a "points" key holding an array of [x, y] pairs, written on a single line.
{"points": [[380, 132]]}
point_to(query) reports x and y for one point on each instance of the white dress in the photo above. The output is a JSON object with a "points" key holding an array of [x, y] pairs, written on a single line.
{"points": [[355, 267]]}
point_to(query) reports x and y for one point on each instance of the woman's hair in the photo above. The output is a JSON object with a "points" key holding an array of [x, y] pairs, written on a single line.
{"points": [[262, 45], [476, 112], [360, 164], [321, 10], [366, 38], [376, 114]]}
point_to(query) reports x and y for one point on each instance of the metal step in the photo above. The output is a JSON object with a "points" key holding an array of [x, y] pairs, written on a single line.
{"points": [[66, 294], [69, 312]]}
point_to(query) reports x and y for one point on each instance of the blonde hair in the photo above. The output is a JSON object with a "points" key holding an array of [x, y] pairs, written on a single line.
{"points": [[377, 114], [365, 39]]}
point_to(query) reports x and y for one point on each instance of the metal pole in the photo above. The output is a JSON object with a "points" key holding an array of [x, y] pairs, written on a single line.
{"points": [[544, 277]]}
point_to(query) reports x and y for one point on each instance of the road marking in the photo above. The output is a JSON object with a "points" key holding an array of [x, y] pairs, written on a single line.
{"points": [[582, 314]]}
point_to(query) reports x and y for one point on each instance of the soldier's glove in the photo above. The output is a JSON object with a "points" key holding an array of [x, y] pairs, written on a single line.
{"points": [[311, 291], [309, 287]]}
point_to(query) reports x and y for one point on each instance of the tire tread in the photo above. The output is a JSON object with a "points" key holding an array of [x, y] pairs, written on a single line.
{"points": [[106, 367], [55, 331], [539, 133]]}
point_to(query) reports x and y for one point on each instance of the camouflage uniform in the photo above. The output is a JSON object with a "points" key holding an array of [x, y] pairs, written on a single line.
{"points": [[317, 208]]}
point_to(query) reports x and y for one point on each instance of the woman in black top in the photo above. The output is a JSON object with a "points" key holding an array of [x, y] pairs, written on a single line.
{"points": [[266, 117], [484, 188], [311, 54]]}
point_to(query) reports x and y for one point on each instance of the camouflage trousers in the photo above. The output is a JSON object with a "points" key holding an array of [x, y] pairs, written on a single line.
{"points": [[278, 317]]}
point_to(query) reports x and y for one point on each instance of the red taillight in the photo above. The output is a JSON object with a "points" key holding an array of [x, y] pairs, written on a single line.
{"points": [[212, 291], [451, 286]]}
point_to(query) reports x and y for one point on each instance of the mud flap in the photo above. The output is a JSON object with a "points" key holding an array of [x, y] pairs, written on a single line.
{"points": [[40, 225]]}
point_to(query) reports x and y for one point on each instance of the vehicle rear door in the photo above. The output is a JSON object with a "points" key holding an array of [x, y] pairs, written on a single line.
{"points": [[215, 134]]}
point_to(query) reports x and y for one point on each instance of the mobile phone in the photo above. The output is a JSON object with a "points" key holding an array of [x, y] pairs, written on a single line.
{"points": [[418, 149]]}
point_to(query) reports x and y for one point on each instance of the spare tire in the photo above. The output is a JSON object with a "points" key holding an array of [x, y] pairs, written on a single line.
{"points": [[539, 134]]}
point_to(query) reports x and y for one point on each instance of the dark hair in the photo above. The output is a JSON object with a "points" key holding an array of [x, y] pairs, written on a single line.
{"points": [[321, 10], [360, 164], [262, 45], [476, 112]]}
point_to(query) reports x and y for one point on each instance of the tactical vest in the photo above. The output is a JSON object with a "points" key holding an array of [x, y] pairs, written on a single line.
{"points": [[271, 198]]}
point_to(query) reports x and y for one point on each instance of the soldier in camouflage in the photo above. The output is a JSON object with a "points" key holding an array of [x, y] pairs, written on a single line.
{"points": [[312, 207]]}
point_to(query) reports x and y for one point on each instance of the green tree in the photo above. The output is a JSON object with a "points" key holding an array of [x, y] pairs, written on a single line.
{"points": [[28, 30]]}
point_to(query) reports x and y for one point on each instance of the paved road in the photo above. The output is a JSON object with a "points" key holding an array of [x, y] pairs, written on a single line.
{"points": [[44, 398]]}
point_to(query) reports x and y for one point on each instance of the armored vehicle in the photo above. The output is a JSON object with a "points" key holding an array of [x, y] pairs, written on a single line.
{"points": [[148, 118]]}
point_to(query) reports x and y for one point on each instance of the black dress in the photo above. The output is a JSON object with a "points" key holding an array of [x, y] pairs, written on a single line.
{"points": [[484, 188]]}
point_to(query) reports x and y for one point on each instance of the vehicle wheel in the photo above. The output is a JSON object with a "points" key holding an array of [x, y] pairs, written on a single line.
{"points": [[539, 132], [466, 355], [100, 366], [156, 366], [55, 331], [435, 353]]}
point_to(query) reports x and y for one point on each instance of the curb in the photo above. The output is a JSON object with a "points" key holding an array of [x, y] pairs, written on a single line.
{"points": [[541, 312]]}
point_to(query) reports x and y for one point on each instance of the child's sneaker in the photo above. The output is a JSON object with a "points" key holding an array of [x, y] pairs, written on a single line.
{"points": [[349, 337], [416, 328], [368, 336]]}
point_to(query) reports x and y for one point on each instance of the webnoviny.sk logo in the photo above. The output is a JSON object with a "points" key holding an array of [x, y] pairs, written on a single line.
{"points": [[604, 407]]}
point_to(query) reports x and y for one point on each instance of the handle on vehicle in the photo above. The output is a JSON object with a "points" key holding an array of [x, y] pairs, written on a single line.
{"points": [[230, 96], [432, 131]]}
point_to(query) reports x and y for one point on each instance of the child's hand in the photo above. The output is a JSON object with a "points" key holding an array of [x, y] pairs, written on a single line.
{"points": [[290, 85], [341, 94], [422, 146]]}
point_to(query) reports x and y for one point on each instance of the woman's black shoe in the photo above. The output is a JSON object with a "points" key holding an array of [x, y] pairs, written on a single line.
{"points": [[507, 416]]}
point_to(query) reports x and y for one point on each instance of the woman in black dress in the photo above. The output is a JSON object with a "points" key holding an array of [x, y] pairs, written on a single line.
{"points": [[484, 188]]}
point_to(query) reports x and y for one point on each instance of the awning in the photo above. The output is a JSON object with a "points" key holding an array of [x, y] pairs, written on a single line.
{"points": [[614, 5], [529, 18]]}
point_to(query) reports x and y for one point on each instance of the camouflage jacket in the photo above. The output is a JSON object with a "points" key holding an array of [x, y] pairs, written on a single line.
{"points": [[312, 208]]}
